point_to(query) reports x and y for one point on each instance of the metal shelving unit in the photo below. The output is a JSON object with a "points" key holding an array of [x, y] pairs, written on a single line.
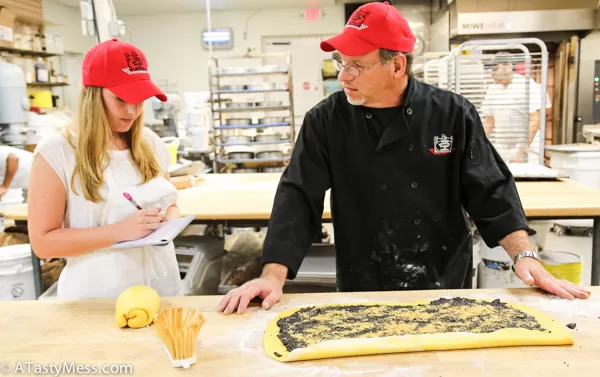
{"points": [[238, 93], [19, 51]]}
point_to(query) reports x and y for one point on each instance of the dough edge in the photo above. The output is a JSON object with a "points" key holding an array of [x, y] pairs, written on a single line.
{"points": [[415, 343]]}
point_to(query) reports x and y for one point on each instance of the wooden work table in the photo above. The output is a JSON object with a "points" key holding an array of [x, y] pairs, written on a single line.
{"points": [[250, 197], [84, 332]]}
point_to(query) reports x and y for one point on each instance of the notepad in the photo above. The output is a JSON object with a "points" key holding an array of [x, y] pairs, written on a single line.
{"points": [[161, 236]]}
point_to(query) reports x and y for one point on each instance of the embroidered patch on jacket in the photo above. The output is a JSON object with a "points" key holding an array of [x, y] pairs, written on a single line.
{"points": [[442, 145]]}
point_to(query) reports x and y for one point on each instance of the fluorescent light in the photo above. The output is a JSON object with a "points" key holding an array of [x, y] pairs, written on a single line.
{"points": [[221, 38]]}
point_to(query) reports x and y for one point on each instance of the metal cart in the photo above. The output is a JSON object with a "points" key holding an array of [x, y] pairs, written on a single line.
{"points": [[245, 140], [473, 71]]}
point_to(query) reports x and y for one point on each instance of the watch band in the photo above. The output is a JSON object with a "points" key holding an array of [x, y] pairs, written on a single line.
{"points": [[526, 254]]}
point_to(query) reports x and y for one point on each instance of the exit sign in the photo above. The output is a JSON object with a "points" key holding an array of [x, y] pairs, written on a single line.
{"points": [[312, 14]]}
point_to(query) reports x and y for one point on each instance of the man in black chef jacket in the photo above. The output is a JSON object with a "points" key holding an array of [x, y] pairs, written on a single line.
{"points": [[402, 159]]}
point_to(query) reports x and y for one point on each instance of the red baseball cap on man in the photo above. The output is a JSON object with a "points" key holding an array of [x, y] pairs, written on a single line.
{"points": [[122, 69], [373, 26]]}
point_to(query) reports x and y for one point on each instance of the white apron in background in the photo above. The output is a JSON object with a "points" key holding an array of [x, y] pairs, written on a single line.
{"points": [[533, 151], [106, 273]]}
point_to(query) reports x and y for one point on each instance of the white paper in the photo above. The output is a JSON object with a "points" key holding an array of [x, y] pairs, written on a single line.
{"points": [[161, 236], [6, 33]]}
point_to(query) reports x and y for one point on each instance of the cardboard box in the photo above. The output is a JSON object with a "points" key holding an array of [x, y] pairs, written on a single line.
{"points": [[7, 26], [476, 6], [29, 11]]}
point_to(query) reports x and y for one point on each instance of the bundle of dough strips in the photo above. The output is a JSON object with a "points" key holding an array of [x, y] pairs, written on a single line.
{"points": [[178, 330]]}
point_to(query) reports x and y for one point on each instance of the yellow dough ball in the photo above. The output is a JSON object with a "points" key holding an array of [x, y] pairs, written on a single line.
{"points": [[136, 307]]}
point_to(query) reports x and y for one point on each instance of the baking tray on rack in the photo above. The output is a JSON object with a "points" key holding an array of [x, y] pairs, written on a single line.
{"points": [[254, 108], [266, 125], [318, 267], [251, 73], [251, 160], [256, 143], [523, 171], [229, 91]]}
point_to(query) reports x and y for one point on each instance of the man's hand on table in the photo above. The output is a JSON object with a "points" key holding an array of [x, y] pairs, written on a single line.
{"points": [[269, 287], [531, 272]]}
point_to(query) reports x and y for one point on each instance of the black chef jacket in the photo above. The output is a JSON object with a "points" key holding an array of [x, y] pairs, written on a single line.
{"points": [[398, 204]]}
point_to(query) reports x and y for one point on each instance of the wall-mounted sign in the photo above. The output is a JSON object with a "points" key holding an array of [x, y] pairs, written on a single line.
{"points": [[220, 38], [312, 14], [523, 21]]}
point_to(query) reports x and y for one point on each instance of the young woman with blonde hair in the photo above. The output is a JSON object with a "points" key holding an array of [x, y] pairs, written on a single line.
{"points": [[77, 208]]}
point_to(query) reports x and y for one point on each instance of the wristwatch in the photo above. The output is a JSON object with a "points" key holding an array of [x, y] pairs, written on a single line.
{"points": [[526, 254]]}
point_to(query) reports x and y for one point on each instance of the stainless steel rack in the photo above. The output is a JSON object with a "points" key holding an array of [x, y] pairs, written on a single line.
{"points": [[238, 92]]}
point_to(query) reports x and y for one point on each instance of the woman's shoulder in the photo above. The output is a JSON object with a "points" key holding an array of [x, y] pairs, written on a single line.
{"points": [[58, 152]]}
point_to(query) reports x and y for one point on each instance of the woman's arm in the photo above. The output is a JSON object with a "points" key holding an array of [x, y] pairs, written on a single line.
{"points": [[12, 165], [46, 209], [173, 210]]}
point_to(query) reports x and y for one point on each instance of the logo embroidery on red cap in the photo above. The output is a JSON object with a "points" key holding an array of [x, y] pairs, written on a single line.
{"points": [[135, 64], [358, 20]]}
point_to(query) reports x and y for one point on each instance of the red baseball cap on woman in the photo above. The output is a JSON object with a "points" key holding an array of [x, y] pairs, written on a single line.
{"points": [[122, 69], [373, 26]]}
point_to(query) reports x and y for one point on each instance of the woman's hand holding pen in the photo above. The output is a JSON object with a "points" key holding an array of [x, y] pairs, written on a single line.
{"points": [[139, 225]]}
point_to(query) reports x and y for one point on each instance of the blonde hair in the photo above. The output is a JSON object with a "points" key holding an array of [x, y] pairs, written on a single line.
{"points": [[91, 139]]}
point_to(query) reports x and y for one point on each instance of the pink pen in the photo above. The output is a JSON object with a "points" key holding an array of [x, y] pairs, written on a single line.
{"points": [[128, 197]]}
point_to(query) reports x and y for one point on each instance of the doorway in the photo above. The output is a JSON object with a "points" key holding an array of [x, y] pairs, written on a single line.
{"points": [[307, 69]]}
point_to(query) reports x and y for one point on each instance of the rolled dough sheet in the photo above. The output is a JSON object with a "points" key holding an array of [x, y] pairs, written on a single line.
{"points": [[337, 330]]}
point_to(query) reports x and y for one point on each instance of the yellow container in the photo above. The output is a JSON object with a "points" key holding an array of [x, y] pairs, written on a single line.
{"points": [[172, 144], [40, 98], [563, 265]]}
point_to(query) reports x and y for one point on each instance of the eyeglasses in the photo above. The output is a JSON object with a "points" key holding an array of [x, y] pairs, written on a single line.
{"points": [[352, 70]]}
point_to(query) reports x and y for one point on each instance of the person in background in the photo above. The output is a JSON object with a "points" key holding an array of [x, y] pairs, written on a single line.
{"points": [[508, 113], [15, 166], [80, 177], [511, 120], [403, 160]]}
